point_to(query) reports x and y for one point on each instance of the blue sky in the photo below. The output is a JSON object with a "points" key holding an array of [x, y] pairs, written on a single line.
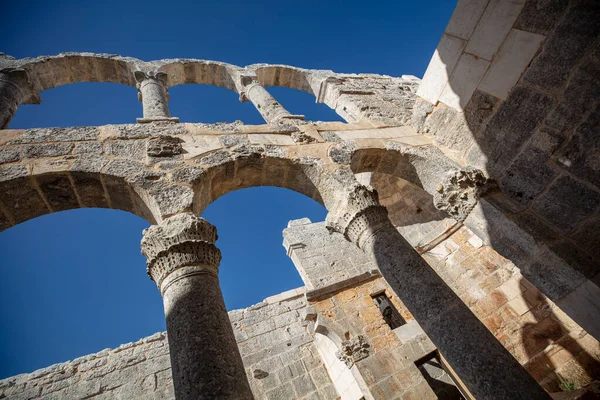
{"points": [[75, 281]]}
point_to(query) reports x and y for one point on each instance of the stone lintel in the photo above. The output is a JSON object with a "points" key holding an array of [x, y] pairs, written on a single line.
{"points": [[341, 285]]}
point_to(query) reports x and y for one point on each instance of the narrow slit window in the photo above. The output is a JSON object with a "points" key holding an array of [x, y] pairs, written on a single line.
{"points": [[386, 308]]}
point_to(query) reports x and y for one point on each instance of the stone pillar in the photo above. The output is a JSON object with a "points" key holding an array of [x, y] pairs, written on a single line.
{"points": [[267, 106], [488, 370], [183, 261], [14, 85], [153, 93]]}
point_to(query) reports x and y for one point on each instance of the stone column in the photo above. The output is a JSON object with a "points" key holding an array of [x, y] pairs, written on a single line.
{"points": [[267, 106], [153, 93], [14, 85], [183, 261], [488, 370]]}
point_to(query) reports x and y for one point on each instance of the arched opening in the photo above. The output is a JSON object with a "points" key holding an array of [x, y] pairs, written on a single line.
{"points": [[77, 286], [80, 104], [341, 376], [210, 104], [249, 224], [299, 102]]}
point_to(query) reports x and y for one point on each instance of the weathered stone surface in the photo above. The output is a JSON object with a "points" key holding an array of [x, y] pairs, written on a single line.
{"points": [[581, 155], [48, 150], [540, 16], [58, 191], [512, 124], [575, 33], [421, 109], [10, 154], [578, 202], [234, 140], [132, 149], [42, 135], [530, 173], [341, 153], [459, 192], [88, 147], [164, 146], [173, 199]]}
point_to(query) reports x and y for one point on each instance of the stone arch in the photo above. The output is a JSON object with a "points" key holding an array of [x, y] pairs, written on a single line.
{"points": [[422, 166], [66, 68], [346, 379], [42, 186], [287, 76], [204, 72], [245, 166]]}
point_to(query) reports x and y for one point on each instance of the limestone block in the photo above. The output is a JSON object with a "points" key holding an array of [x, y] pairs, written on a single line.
{"points": [[495, 23], [440, 68], [43, 135], [514, 56], [280, 140], [465, 17], [540, 16], [530, 173], [464, 80], [572, 38], [200, 144]]}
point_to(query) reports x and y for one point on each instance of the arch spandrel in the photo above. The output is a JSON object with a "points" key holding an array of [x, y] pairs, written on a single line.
{"points": [[161, 169]]}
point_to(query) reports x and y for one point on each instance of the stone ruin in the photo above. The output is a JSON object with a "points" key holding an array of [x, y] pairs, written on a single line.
{"points": [[464, 207]]}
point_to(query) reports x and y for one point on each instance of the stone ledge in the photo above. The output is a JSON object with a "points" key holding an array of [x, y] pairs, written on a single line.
{"points": [[337, 286]]}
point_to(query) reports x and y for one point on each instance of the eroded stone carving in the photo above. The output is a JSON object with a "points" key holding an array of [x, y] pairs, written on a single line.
{"points": [[180, 241], [164, 146], [353, 350], [359, 215], [302, 138], [460, 190]]}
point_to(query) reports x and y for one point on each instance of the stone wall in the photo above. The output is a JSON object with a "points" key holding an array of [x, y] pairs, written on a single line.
{"points": [[522, 105], [551, 346]]}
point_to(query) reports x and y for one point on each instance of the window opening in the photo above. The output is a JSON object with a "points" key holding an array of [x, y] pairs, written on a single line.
{"points": [[439, 378], [386, 308]]}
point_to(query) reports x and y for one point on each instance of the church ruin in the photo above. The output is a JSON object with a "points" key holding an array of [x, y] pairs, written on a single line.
{"points": [[460, 255]]}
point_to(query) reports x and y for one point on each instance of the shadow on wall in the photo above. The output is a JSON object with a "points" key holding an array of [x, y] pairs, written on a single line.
{"points": [[530, 120], [537, 336]]}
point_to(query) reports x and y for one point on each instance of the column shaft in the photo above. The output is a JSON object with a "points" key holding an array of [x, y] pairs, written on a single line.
{"points": [[267, 106], [205, 360], [183, 261], [488, 370], [154, 97], [11, 95]]}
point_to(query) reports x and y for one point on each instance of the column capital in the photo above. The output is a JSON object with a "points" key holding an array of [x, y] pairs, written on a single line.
{"points": [[183, 240], [358, 214], [143, 78], [154, 95], [248, 83], [460, 190]]}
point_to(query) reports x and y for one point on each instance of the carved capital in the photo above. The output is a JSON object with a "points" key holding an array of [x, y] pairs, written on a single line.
{"points": [[460, 190], [248, 84], [183, 240], [151, 77], [358, 215], [353, 350]]}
